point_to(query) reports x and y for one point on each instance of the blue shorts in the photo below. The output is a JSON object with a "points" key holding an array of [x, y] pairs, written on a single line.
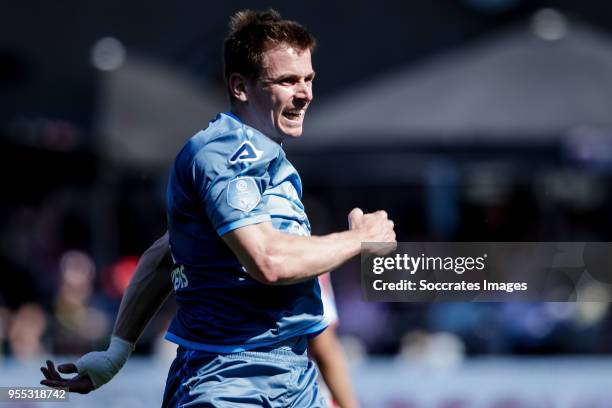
{"points": [[280, 376]]}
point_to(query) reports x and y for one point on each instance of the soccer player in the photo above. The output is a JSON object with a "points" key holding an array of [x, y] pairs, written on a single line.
{"points": [[245, 263]]}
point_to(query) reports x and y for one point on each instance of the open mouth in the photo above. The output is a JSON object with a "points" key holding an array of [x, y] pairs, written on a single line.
{"points": [[294, 115]]}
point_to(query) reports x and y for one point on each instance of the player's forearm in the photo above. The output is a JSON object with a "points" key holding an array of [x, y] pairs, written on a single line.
{"points": [[145, 294], [292, 259], [276, 258]]}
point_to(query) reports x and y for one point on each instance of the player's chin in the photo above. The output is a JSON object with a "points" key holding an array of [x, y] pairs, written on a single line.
{"points": [[289, 127], [292, 131]]}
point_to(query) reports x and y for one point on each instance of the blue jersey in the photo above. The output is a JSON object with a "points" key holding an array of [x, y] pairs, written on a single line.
{"points": [[229, 176]]}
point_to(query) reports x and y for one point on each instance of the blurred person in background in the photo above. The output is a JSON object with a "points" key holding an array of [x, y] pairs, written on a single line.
{"points": [[79, 324], [244, 257], [25, 332]]}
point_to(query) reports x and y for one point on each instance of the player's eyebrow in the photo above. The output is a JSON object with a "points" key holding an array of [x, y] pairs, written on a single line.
{"points": [[285, 77]]}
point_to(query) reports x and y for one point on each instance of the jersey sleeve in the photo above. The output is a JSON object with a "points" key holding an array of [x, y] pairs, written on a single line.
{"points": [[231, 174]]}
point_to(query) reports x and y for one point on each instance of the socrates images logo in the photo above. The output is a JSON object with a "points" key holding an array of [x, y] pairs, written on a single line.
{"points": [[246, 153]]}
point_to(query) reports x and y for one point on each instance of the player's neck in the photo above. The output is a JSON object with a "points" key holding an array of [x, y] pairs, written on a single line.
{"points": [[244, 117]]}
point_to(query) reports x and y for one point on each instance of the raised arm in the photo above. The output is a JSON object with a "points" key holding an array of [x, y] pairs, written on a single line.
{"points": [[148, 289], [276, 258]]}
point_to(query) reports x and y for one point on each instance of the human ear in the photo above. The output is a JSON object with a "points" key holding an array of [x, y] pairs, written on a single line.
{"points": [[238, 87]]}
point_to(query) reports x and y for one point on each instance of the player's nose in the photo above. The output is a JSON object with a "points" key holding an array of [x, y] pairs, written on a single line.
{"points": [[304, 91]]}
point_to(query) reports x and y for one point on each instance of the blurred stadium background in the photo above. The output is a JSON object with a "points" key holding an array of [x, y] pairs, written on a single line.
{"points": [[468, 120]]}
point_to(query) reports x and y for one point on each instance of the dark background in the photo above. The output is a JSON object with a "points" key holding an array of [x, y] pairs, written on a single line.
{"points": [[85, 153]]}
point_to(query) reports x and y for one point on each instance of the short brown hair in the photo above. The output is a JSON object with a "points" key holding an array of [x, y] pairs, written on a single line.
{"points": [[251, 33]]}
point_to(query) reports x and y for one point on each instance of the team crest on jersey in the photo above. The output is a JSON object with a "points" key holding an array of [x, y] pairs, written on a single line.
{"points": [[246, 153], [243, 194]]}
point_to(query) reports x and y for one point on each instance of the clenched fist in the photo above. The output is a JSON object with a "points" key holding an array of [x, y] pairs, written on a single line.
{"points": [[373, 227]]}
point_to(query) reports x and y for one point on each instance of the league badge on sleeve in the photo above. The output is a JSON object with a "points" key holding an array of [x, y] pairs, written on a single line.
{"points": [[243, 194], [245, 153]]}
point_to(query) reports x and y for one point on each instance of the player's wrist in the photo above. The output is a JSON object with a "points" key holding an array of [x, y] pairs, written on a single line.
{"points": [[120, 349], [361, 235], [102, 366], [354, 237]]}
